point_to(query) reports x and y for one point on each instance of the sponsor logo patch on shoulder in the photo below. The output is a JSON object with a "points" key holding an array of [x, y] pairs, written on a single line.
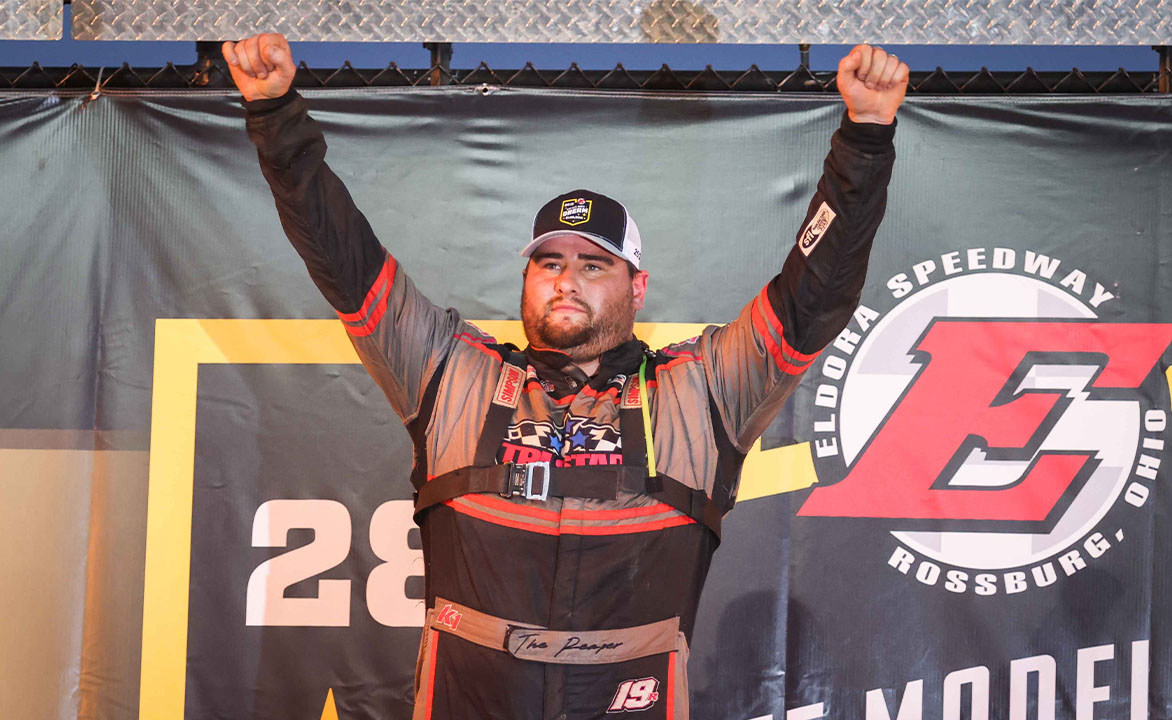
{"points": [[631, 395], [508, 387], [576, 211], [817, 228]]}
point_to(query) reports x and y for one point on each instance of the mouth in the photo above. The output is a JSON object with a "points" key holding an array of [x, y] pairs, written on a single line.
{"points": [[567, 306]]}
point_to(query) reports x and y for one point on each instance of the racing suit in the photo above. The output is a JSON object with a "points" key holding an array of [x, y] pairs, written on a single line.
{"points": [[562, 573]]}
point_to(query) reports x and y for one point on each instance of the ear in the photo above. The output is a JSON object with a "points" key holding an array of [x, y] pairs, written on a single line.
{"points": [[639, 288]]}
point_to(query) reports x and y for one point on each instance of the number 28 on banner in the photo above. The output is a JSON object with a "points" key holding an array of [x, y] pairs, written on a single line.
{"points": [[386, 595]]}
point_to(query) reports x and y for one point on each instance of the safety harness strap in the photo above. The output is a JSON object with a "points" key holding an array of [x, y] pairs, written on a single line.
{"points": [[532, 481], [500, 410], [417, 428], [541, 480]]}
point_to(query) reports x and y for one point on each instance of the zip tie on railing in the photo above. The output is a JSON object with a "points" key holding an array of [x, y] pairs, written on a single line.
{"points": [[96, 92]]}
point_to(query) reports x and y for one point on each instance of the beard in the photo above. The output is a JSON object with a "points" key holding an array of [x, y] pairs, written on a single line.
{"points": [[594, 334]]}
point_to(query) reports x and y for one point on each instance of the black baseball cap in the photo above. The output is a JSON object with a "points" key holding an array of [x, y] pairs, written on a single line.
{"points": [[593, 216]]}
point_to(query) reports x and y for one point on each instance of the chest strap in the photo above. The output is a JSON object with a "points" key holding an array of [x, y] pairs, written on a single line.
{"points": [[540, 481]]}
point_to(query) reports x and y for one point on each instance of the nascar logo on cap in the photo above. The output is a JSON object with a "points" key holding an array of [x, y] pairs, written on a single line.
{"points": [[576, 211]]}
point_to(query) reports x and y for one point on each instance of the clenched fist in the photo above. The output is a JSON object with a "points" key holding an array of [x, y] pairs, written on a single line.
{"points": [[262, 65], [872, 84]]}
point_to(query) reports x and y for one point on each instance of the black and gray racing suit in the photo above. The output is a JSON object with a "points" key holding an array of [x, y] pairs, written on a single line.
{"points": [[597, 543]]}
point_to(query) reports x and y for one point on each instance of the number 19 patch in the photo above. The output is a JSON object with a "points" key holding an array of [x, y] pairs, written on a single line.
{"points": [[635, 695]]}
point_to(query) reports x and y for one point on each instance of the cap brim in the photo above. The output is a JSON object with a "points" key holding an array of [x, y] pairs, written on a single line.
{"points": [[537, 241], [600, 242]]}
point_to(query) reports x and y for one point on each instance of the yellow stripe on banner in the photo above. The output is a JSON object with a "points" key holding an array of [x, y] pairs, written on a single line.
{"points": [[168, 552], [330, 711], [777, 470], [181, 346]]}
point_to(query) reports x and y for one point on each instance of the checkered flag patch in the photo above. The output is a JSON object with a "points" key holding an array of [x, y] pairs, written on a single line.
{"points": [[531, 434]]}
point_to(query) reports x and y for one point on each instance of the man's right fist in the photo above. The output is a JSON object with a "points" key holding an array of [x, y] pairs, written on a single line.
{"points": [[262, 65]]}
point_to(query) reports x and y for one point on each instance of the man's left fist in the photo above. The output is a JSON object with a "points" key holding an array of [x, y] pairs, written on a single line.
{"points": [[872, 84]]}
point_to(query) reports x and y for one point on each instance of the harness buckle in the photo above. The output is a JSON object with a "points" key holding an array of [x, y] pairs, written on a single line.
{"points": [[523, 478]]}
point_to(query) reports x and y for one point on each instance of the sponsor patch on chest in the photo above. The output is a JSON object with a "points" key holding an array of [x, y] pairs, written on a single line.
{"points": [[631, 395], [508, 387], [577, 442]]}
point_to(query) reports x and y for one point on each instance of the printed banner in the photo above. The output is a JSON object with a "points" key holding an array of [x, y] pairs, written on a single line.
{"points": [[959, 514]]}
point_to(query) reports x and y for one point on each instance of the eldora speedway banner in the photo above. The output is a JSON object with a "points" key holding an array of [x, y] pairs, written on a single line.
{"points": [[961, 513], [988, 439], [983, 446]]}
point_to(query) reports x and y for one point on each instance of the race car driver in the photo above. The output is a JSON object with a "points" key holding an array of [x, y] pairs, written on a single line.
{"points": [[570, 495]]}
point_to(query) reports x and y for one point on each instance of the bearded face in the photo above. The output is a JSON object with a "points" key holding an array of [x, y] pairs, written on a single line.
{"points": [[583, 335], [579, 298]]}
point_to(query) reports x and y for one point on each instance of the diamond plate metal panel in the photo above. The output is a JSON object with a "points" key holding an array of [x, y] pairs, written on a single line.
{"points": [[1020, 22], [30, 19]]}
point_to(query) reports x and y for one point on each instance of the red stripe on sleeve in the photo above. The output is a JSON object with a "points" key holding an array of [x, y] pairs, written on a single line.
{"points": [[368, 327], [375, 287], [378, 295], [759, 322], [773, 320]]}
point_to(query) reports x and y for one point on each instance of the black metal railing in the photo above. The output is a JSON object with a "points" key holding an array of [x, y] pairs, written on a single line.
{"points": [[213, 75]]}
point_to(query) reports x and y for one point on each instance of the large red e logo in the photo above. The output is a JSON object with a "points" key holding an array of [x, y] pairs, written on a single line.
{"points": [[966, 397]]}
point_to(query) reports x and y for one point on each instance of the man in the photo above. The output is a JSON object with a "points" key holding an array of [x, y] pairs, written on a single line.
{"points": [[570, 496]]}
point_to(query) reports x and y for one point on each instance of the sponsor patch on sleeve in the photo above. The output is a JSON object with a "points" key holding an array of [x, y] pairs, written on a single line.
{"points": [[816, 229]]}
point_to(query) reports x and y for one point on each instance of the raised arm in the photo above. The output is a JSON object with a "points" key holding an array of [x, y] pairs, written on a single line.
{"points": [[756, 361], [400, 336]]}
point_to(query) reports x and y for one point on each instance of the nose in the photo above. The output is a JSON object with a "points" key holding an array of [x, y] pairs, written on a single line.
{"points": [[565, 283]]}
